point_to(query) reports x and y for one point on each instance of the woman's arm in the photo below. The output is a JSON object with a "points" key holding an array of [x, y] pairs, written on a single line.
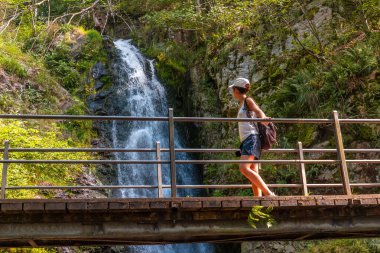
{"points": [[252, 106]]}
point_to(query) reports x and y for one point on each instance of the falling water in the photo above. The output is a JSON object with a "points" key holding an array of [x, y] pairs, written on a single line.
{"points": [[137, 92]]}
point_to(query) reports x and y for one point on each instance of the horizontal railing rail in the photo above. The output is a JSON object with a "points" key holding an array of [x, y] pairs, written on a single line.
{"points": [[287, 161], [172, 161], [187, 119], [209, 186], [188, 150]]}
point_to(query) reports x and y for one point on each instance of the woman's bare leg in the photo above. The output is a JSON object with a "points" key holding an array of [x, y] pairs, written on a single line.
{"points": [[254, 177], [256, 191]]}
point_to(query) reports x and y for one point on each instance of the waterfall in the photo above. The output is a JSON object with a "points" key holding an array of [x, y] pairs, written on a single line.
{"points": [[137, 92]]}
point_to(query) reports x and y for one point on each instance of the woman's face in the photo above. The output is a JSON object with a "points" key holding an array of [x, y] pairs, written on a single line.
{"points": [[236, 93]]}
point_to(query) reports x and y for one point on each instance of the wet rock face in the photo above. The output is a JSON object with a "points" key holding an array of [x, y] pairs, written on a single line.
{"points": [[96, 103], [98, 85], [98, 71], [97, 106]]}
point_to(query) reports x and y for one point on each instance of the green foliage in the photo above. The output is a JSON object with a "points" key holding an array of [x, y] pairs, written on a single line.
{"points": [[81, 129], [69, 51], [39, 60], [12, 59], [318, 89], [260, 215], [342, 246], [72, 59], [22, 134], [58, 7], [140, 7], [371, 10], [59, 61], [184, 17], [35, 90], [330, 86], [26, 250], [13, 67]]}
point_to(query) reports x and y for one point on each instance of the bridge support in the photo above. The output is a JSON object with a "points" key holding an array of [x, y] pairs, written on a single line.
{"points": [[173, 172], [5, 170], [341, 155], [303, 171], [159, 170]]}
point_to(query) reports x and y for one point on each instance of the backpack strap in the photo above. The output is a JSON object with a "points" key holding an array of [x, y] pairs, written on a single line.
{"points": [[245, 107]]}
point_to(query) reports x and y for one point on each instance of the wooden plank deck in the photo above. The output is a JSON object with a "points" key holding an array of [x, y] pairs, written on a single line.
{"points": [[190, 203]]}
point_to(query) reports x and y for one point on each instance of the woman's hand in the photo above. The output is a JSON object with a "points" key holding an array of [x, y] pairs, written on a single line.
{"points": [[266, 122]]}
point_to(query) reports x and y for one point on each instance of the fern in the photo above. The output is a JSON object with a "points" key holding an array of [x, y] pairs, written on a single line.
{"points": [[260, 215]]}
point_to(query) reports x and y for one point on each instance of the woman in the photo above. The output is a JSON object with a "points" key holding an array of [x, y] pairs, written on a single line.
{"points": [[249, 136]]}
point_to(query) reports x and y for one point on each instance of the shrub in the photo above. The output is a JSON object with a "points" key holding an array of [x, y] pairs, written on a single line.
{"points": [[13, 67], [24, 135]]}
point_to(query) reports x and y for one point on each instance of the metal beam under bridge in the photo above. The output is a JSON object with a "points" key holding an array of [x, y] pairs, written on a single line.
{"points": [[70, 222]]}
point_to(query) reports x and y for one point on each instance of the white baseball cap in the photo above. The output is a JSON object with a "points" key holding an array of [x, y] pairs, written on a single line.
{"points": [[239, 82]]}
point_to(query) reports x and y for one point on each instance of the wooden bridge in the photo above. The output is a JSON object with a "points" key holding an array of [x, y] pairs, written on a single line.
{"points": [[109, 221], [53, 222]]}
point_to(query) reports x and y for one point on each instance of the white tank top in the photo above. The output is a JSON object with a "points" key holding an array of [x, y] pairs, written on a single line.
{"points": [[246, 128]]}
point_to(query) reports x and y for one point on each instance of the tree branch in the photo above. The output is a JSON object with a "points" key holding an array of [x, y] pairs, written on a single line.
{"points": [[295, 35], [82, 11], [5, 26], [312, 26]]}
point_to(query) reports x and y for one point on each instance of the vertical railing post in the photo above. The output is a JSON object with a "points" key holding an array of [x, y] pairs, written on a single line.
{"points": [[341, 155], [172, 155], [159, 171], [5, 169], [302, 168]]}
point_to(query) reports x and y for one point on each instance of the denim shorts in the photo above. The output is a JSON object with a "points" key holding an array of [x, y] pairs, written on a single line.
{"points": [[251, 146]]}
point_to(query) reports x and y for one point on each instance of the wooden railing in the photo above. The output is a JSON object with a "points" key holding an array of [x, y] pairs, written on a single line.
{"points": [[340, 151]]}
